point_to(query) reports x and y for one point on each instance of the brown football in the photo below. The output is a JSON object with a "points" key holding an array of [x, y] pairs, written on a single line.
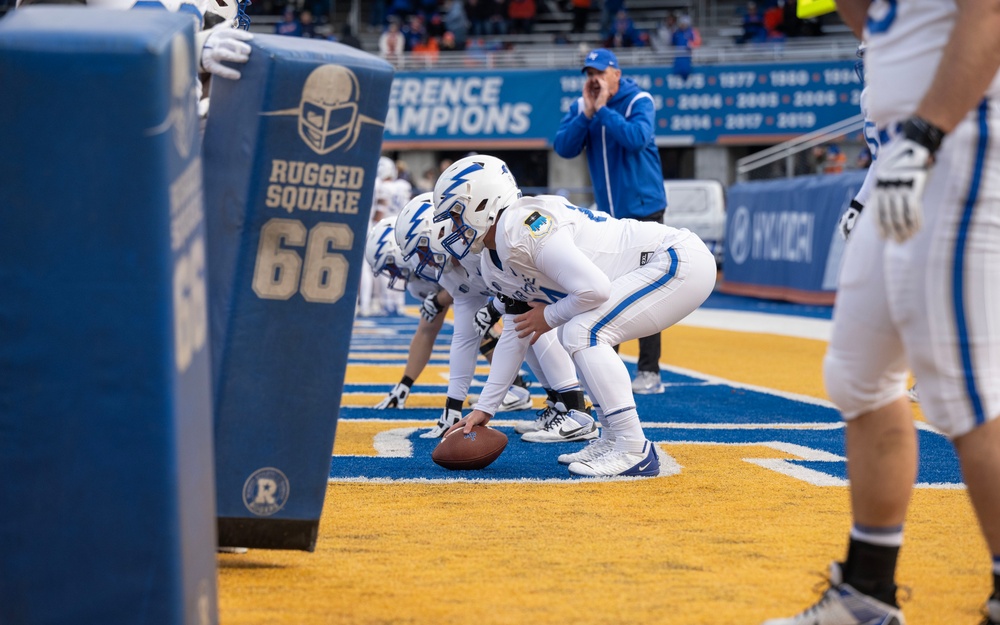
{"points": [[459, 451]]}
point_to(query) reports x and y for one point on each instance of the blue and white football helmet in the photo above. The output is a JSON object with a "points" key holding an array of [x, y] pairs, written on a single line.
{"points": [[420, 239], [471, 193], [384, 256]]}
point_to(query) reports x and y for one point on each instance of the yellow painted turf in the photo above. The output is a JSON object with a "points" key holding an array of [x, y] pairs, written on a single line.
{"points": [[723, 542]]}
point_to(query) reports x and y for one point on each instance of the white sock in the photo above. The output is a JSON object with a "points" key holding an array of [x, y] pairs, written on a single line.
{"points": [[627, 429]]}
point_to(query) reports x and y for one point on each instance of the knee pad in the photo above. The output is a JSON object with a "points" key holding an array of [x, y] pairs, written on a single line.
{"points": [[574, 337], [856, 391]]}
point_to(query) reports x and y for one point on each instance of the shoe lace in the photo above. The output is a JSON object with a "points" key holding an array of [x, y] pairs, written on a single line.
{"points": [[556, 421]]}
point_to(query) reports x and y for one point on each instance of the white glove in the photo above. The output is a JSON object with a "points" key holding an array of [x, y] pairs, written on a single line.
{"points": [[224, 43], [900, 178], [430, 308], [849, 218], [486, 317], [396, 398], [447, 419]]}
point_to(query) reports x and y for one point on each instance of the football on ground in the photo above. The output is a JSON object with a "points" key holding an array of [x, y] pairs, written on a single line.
{"points": [[459, 451]]}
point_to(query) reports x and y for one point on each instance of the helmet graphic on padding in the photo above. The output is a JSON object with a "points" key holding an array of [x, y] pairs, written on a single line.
{"points": [[420, 239], [384, 256], [471, 193], [329, 108]]}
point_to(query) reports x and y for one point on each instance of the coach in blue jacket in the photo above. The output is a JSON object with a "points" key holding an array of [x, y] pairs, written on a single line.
{"points": [[614, 121]]}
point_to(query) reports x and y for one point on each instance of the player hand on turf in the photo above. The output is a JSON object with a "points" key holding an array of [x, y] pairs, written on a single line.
{"points": [[532, 322], [430, 308], [476, 417], [396, 398], [849, 218], [225, 44], [486, 317]]}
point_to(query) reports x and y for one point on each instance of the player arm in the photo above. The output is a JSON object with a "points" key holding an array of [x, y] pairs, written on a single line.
{"points": [[635, 132], [586, 286], [464, 346], [969, 63], [507, 358], [854, 13], [572, 133]]}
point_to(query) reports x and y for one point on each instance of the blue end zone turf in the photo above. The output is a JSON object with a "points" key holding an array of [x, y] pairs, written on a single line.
{"points": [[290, 157], [105, 409]]}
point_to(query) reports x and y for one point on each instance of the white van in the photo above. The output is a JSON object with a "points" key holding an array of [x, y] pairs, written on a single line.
{"points": [[699, 206]]}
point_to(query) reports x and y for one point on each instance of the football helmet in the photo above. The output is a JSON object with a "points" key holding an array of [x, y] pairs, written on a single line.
{"points": [[421, 239], [471, 193], [386, 168], [384, 256]]}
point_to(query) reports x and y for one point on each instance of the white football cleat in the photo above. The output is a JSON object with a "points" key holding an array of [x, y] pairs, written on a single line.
{"points": [[517, 398], [596, 448], [564, 427], [647, 383], [447, 419], [618, 462], [544, 416], [841, 604]]}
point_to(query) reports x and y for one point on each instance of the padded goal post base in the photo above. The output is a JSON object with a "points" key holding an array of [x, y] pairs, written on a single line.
{"points": [[105, 411], [290, 159]]}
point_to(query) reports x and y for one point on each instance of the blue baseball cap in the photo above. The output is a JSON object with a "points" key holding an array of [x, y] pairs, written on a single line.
{"points": [[600, 59]]}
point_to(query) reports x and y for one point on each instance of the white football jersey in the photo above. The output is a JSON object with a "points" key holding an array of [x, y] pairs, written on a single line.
{"points": [[464, 278], [615, 246], [905, 43]]}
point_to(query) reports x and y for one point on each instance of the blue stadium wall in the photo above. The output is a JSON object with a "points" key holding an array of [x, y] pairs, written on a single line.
{"points": [[749, 104]]}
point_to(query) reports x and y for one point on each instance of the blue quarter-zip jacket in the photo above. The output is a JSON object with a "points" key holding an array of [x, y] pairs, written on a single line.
{"points": [[621, 151]]}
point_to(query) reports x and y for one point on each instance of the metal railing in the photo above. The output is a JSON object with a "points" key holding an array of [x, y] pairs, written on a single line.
{"points": [[570, 56], [788, 150]]}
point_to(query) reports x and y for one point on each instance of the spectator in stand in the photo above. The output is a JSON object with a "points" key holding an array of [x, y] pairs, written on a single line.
{"points": [[835, 160], [496, 23], [435, 26], [685, 36], [308, 25], [753, 25], [448, 43], [773, 18], [477, 12], [581, 13], [791, 23], [426, 50], [391, 44], [623, 34], [685, 39], [348, 38], [522, 16], [414, 31], [662, 38], [609, 9], [289, 25], [456, 22], [864, 159]]}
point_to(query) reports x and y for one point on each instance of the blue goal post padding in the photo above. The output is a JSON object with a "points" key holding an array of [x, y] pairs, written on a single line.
{"points": [[105, 408], [290, 158]]}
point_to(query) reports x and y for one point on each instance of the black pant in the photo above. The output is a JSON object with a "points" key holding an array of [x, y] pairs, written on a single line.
{"points": [[649, 346]]}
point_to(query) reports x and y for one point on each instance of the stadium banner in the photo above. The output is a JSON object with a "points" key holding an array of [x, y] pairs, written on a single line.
{"points": [[782, 240], [105, 396], [734, 104], [290, 158]]}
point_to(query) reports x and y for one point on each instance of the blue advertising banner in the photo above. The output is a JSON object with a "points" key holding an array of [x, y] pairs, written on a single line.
{"points": [[735, 104], [781, 236]]}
